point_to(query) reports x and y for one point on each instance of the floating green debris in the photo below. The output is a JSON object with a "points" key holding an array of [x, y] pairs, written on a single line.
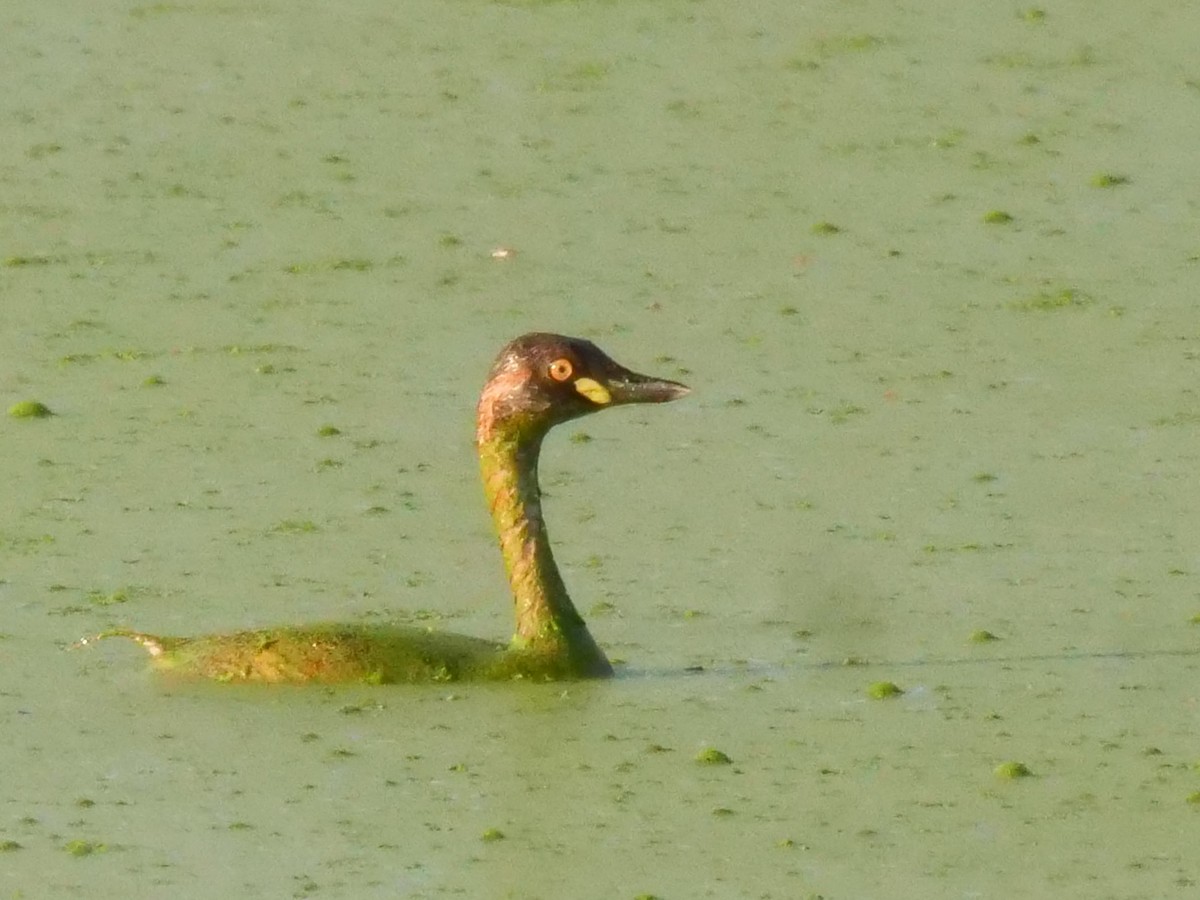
{"points": [[1011, 770], [126, 355], [239, 349], [581, 437], [947, 141], [16, 262], [294, 526], [984, 477], [1192, 798], [843, 413], [25, 543], [350, 264], [29, 409], [1033, 14], [9, 846], [328, 431], [848, 43], [587, 75], [982, 636], [711, 756], [1109, 180], [491, 835], [154, 381], [825, 228], [883, 690], [997, 217], [106, 598], [83, 848], [40, 151], [1180, 418], [802, 64], [1065, 298]]}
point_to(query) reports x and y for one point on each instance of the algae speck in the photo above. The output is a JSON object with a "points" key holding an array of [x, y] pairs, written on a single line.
{"points": [[1012, 770], [29, 409], [884, 690], [538, 381]]}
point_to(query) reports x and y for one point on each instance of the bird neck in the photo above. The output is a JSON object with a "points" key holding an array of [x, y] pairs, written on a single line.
{"points": [[547, 622]]}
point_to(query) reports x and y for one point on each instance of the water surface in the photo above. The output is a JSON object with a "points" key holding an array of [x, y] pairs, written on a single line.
{"points": [[930, 271]]}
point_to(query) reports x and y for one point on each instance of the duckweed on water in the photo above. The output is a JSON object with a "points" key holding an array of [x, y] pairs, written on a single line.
{"points": [[328, 431], [105, 598], [825, 228], [711, 756], [83, 848], [997, 217], [1045, 301], [1194, 798], [883, 690], [982, 636], [294, 526], [1109, 180], [16, 262], [349, 264], [492, 834], [9, 846], [1012, 770], [29, 409]]}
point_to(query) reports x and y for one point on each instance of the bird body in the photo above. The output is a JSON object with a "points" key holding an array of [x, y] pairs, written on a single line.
{"points": [[538, 381]]}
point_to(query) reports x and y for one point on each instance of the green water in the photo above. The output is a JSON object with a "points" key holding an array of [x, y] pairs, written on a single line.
{"points": [[930, 271]]}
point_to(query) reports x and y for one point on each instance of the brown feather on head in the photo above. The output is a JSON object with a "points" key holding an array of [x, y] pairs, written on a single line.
{"points": [[540, 380]]}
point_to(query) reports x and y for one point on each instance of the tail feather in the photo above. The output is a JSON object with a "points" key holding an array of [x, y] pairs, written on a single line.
{"points": [[155, 645]]}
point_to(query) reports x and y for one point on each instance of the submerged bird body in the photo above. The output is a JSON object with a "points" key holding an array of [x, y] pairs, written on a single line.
{"points": [[538, 381]]}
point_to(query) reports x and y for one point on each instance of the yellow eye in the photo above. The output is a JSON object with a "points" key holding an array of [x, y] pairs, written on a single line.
{"points": [[561, 369]]}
